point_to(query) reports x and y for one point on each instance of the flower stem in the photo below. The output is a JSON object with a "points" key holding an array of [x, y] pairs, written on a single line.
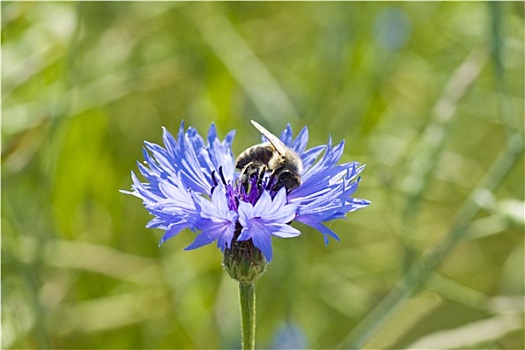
{"points": [[247, 300]]}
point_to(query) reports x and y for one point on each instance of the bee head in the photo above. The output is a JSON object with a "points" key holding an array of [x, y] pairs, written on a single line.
{"points": [[287, 179]]}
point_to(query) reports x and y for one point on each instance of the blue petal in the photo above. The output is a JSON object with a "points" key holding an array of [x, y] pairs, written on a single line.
{"points": [[256, 227], [283, 231], [172, 231], [286, 136], [264, 203], [189, 166], [278, 211], [245, 211], [220, 153], [300, 142], [224, 240], [170, 143], [308, 157], [321, 228], [329, 159], [264, 243], [246, 233], [203, 238], [217, 209]]}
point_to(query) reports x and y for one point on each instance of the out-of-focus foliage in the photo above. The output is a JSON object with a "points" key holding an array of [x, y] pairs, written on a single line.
{"points": [[429, 95]]}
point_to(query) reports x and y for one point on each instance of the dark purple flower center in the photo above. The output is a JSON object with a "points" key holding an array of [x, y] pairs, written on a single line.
{"points": [[249, 191]]}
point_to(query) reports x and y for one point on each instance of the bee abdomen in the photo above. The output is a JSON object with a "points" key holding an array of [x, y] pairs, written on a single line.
{"points": [[260, 153]]}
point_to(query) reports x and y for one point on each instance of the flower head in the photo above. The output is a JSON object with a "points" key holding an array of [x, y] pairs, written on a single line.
{"points": [[192, 183]]}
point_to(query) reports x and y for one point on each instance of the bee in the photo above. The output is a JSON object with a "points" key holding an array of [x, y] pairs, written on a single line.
{"points": [[272, 156]]}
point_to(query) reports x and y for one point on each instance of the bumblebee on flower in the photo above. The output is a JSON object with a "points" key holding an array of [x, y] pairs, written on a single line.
{"points": [[193, 183]]}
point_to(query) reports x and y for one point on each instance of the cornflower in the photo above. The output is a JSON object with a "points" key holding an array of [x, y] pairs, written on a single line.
{"points": [[192, 183]]}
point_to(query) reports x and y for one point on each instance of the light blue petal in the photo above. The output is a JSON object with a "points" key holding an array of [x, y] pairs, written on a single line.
{"points": [[264, 243], [321, 228], [245, 211], [309, 156], [219, 201], [203, 238], [172, 231], [284, 231], [220, 153], [246, 234], [264, 204], [300, 142], [278, 211], [224, 240]]}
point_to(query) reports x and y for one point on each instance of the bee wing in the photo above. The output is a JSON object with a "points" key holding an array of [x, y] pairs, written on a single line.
{"points": [[280, 147]]}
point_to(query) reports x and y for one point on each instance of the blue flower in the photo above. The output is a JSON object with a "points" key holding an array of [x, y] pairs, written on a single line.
{"points": [[266, 218], [192, 183], [217, 221]]}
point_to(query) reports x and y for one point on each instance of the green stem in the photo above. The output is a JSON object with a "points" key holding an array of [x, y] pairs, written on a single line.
{"points": [[247, 300]]}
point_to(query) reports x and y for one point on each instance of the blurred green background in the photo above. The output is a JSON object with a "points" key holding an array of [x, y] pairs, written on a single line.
{"points": [[429, 95]]}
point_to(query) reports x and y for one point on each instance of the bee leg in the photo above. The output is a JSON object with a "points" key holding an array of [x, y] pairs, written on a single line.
{"points": [[245, 179], [277, 186], [276, 182], [270, 185], [260, 176], [249, 171]]}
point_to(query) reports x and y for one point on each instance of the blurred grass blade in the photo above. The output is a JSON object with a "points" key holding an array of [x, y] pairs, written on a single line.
{"points": [[472, 334], [496, 10], [496, 28], [426, 158], [112, 312], [262, 87], [420, 272], [414, 312], [111, 262], [459, 293]]}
